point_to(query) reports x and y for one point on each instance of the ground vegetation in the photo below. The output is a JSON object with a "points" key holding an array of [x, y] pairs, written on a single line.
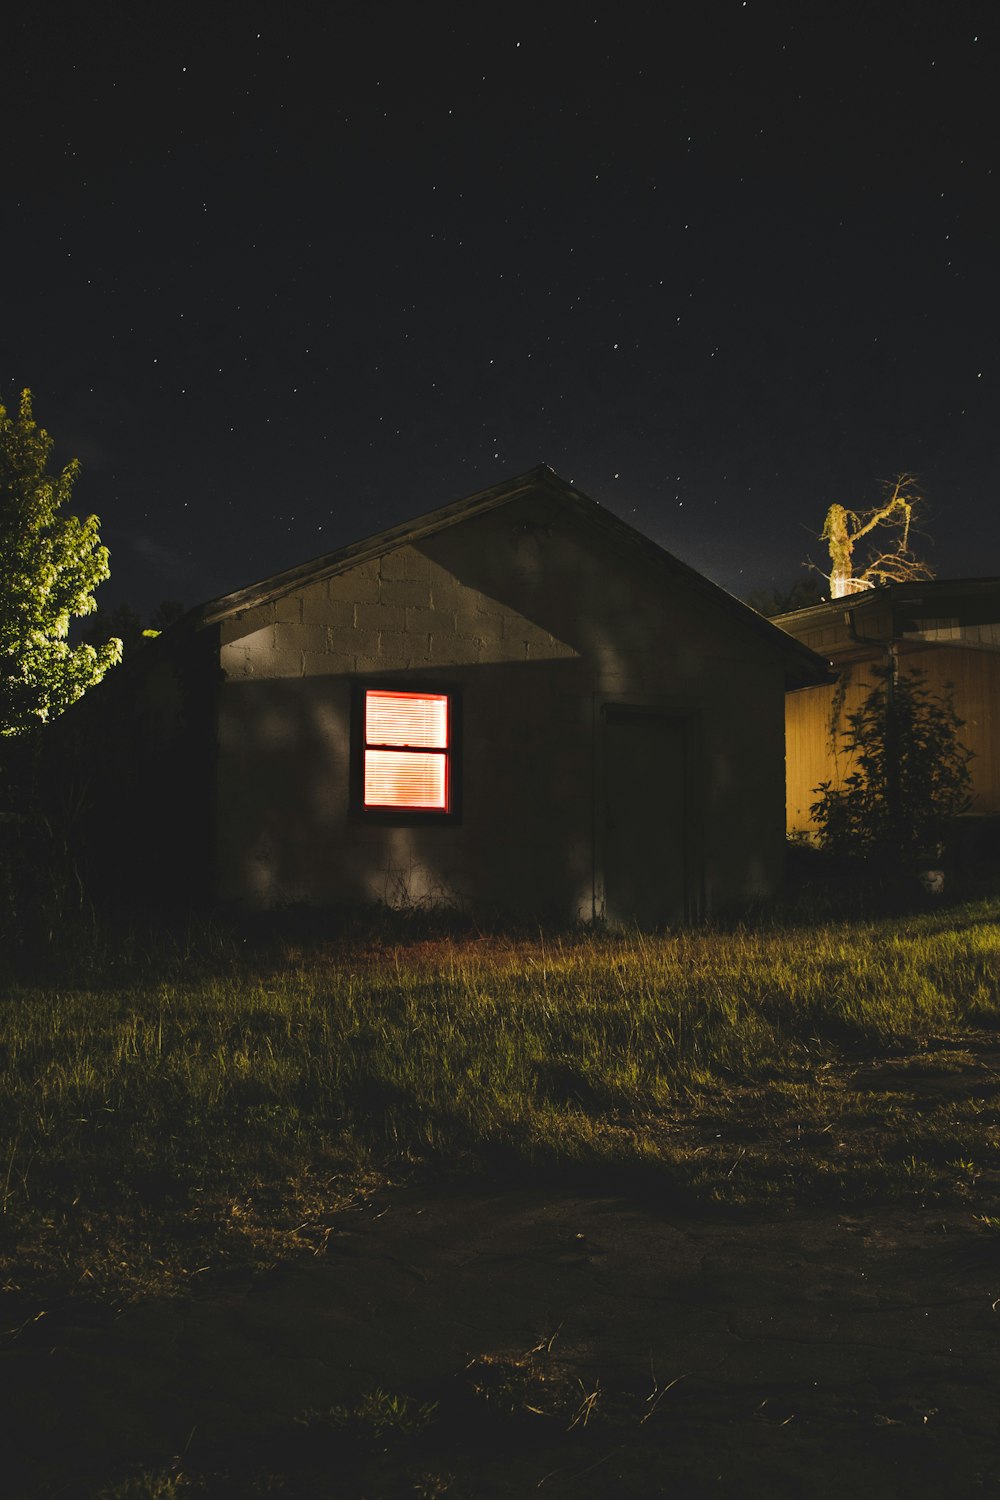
{"points": [[211, 1107], [470, 1212]]}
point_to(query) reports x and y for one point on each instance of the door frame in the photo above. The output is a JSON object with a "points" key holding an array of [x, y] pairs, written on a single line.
{"points": [[688, 713]]}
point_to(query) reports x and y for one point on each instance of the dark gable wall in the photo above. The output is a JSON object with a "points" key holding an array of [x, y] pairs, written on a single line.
{"points": [[540, 621]]}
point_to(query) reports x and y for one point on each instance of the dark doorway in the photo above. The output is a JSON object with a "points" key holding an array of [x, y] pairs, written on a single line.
{"points": [[645, 813]]}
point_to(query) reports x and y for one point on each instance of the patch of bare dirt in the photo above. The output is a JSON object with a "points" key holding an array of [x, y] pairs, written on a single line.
{"points": [[525, 1342]]}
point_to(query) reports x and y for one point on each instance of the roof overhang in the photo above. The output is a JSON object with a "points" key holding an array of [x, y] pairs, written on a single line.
{"points": [[802, 666]]}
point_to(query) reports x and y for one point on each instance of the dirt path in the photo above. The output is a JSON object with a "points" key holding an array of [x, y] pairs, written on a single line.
{"points": [[575, 1345]]}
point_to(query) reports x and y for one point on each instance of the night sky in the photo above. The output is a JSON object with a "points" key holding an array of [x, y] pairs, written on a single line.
{"points": [[281, 281]]}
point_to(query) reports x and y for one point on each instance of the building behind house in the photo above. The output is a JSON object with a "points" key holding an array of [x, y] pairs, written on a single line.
{"points": [[949, 630]]}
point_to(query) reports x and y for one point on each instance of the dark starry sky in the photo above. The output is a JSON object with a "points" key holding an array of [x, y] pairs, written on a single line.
{"points": [[281, 281]]}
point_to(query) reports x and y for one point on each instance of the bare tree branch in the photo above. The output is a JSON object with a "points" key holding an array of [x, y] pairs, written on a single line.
{"points": [[843, 528]]}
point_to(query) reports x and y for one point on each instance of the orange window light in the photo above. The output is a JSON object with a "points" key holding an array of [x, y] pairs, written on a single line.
{"points": [[406, 750]]}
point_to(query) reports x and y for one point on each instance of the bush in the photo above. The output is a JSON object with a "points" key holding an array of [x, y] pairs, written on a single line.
{"points": [[910, 780]]}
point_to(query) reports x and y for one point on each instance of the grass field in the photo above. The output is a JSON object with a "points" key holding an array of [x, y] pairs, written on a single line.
{"points": [[202, 1103]]}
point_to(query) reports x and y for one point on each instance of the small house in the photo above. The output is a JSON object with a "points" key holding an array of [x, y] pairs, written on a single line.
{"points": [[948, 630], [517, 701]]}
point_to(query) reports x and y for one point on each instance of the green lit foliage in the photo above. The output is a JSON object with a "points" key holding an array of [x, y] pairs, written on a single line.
{"points": [[910, 778], [50, 564]]}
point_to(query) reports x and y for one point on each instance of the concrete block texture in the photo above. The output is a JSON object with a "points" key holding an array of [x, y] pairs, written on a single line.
{"points": [[301, 638], [417, 565], [360, 584], [399, 649], [422, 621], [447, 593], [516, 627], [420, 652], [364, 663], [235, 662], [379, 617], [454, 650], [406, 591], [467, 623], [288, 611], [327, 663], [365, 643], [246, 623], [493, 652], [250, 655], [242, 661], [393, 564], [318, 609]]}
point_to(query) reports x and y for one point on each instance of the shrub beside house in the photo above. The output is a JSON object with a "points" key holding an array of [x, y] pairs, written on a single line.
{"points": [[948, 630]]}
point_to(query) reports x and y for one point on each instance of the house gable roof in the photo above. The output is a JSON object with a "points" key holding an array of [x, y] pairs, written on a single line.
{"points": [[855, 626], [928, 592], [802, 666]]}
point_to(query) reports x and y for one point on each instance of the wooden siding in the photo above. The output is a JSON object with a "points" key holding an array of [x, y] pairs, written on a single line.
{"points": [[974, 674]]}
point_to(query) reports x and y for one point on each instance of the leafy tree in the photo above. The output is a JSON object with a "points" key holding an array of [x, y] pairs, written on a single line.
{"points": [[911, 776], [50, 565]]}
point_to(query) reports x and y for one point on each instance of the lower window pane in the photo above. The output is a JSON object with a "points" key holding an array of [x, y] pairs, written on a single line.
{"points": [[405, 778]]}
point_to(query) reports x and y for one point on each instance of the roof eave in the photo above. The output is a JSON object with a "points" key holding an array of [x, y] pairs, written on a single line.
{"points": [[802, 666], [329, 564]]}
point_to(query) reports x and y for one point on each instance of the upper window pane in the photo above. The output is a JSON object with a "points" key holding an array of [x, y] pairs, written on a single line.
{"points": [[419, 720]]}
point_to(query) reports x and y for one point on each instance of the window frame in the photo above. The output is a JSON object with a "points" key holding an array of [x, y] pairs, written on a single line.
{"points": [[401, 817]]}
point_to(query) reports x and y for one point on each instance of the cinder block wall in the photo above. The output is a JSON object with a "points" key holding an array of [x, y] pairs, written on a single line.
{"points": [[537, 622]]}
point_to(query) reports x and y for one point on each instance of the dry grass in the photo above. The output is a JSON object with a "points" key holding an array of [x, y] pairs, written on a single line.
{"points": [[200, 1105]]}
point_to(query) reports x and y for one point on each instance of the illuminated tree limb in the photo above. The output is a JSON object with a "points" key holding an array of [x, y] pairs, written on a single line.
{"points": [[843, 528]]}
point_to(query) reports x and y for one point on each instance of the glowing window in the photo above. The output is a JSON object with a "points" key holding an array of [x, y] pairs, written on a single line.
{"points": [[407, 750]]}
